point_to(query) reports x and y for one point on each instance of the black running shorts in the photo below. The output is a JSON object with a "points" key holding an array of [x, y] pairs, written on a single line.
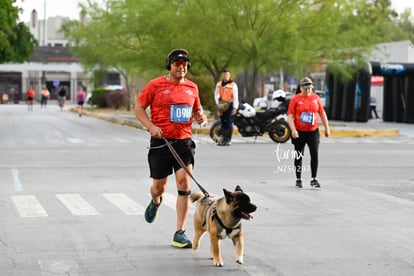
{"points": [[162, 162]]}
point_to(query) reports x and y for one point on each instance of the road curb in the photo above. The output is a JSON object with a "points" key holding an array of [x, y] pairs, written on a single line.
{"points": [[363, 132]]}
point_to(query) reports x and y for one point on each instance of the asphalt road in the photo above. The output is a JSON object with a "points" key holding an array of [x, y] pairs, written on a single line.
{"points": [[73, 192]]}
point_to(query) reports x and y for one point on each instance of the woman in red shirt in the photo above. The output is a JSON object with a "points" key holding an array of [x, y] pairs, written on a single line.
{"points": [[30, 97], [303, 112]]}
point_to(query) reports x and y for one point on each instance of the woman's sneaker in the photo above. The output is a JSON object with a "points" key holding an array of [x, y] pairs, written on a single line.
{"points": [[299, 183], [315, 183], [180, 240], [151, 213]]}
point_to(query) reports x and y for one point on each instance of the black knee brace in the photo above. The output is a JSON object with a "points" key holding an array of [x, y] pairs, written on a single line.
{"points": [[184, 193]]}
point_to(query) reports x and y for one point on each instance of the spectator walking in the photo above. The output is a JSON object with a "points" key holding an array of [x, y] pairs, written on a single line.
{"points": [[80, 98], [62, 98], [373, 108], [45, 95], [30, 98]]}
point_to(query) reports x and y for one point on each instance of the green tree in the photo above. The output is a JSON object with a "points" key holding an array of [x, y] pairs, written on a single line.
{"points": [[119, 36], [405, 23], [16, 41], [250, 37]]}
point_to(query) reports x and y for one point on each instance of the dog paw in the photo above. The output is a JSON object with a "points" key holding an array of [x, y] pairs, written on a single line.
{"points": [[219, 264], [239, 260]]}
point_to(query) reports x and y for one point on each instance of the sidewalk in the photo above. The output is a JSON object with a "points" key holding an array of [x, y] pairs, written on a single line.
{"points": [[372, 128]]}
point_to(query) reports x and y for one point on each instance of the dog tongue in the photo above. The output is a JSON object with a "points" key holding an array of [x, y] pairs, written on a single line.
{"points": [[247, 215]]}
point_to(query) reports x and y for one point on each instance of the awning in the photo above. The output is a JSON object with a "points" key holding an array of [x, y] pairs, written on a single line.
{"points": [[377, 80]]}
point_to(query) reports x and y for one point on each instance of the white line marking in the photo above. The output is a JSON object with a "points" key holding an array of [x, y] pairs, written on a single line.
{"points": [[16, 180], [125, 203], [121, 140], [169, 200], [272, 205], [75, 140], [390, 198], [61, 267], [28, 206], [77, 205]]}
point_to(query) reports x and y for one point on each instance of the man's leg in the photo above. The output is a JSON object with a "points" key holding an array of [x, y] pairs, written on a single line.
{"points": [[183, 202], [180, 239], [157, 190]]}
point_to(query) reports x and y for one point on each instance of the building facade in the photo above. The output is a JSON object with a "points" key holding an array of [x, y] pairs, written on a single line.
{"points": [[51, 65]]}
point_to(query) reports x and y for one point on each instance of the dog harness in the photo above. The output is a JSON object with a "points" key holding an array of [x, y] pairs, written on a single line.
{"points": [[228, 230]]}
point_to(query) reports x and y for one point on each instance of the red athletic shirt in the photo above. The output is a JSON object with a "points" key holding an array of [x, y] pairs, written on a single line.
{"points": [[172, 105], [30, 93], [305, 110]]}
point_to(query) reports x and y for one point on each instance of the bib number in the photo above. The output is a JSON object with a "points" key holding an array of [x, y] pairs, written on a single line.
{"points": [[180, 113], [307, 118]]}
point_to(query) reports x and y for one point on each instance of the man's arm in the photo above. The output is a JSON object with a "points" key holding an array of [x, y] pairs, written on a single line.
{"points": [[143, 118]]}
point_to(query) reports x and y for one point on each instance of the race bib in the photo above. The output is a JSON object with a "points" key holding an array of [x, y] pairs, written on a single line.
{"points": [[180, 113], [307, 118]]}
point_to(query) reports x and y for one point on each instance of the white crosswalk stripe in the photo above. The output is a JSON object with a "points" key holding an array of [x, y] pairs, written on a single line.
{"points": [[266, 203], [280, 202], [77, 205], [59, 267], [389, 198], [28, 206], [75, 140], [121, 140], [170, 201], [127, 205]]}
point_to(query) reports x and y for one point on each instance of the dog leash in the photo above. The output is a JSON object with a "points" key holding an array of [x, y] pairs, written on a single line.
{"points": [[180, 161]]}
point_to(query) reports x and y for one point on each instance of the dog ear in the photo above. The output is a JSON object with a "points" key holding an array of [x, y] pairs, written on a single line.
{"points": [[238, 189], [228, 195]]}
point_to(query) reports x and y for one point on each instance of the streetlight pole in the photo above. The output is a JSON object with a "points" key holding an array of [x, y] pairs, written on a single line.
{"points": [[44, 24]]}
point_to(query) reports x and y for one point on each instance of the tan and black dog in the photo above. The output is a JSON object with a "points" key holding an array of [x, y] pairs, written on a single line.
{"points": [[222, 218]]}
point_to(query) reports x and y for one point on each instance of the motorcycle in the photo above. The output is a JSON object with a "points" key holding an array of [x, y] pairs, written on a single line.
{"points": [[252, 124]]}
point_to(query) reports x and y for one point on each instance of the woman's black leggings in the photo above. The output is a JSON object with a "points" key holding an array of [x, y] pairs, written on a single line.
{"points": [[312, 140]]}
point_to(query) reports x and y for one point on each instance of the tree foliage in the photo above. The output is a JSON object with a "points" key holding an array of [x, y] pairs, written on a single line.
{"points": [[405, 23], [249, 37], [16, 41]]}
